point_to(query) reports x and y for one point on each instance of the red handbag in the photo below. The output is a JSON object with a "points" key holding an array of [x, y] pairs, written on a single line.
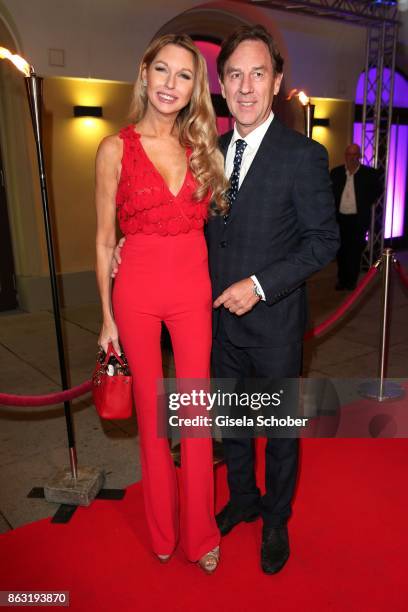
{"points": [[112, 385]]}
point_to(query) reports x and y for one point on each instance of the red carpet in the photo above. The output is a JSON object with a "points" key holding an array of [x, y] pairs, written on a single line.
{"points": [[349, 542]]}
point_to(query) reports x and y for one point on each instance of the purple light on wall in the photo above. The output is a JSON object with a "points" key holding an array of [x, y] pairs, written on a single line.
{"points": [[210, 52], [397, 174], [397, 171], [398, 157], [357, 138], [400, 89]]}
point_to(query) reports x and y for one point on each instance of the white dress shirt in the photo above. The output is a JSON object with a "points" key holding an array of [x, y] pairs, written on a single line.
{"points": [[253, 140], [348, 204]]}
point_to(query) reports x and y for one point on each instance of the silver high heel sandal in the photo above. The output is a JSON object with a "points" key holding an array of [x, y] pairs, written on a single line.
{"points": [[209, 561]]}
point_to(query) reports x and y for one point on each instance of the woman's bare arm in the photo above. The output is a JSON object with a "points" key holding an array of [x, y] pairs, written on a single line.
{"points": [[108, 159]]}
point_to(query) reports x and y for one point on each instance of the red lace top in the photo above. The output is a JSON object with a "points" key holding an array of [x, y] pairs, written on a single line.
{"points": [[145, 203]]}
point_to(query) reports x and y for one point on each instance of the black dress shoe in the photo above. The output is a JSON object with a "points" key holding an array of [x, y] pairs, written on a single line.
{"points": [[275, 549], [231, 516]]}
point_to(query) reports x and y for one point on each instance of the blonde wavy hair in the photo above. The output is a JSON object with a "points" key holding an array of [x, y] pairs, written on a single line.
{"points": [[196, 123]]}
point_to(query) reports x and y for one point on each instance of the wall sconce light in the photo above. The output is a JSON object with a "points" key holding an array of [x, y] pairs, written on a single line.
{"points": [[310, 120], [308, 109], [87, 111], [323, 122]]}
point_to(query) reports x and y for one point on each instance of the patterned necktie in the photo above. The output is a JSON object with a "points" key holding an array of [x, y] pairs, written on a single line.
{"points": [[234, 178]]}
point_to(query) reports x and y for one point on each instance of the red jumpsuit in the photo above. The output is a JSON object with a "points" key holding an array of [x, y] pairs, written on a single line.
{"points": [[164, 277]]}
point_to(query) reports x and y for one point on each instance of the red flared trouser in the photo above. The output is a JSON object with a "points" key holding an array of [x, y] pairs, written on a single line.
{"points": [[165, 278]]}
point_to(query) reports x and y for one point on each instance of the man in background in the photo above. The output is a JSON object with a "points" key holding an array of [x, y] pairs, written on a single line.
{"points": [[356, 189]]}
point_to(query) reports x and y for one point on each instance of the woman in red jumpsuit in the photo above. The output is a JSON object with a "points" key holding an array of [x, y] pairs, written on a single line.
{"points": [[158, 175]]}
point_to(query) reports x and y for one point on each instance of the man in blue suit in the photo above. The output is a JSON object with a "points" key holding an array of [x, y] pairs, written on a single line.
{"points": [[280, 229]]}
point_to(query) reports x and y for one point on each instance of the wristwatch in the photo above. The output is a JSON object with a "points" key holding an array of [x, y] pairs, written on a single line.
{"points": [[256, 291]]}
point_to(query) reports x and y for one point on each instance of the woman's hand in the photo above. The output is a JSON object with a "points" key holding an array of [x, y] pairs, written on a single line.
{"points": [[116, 259], [109, 333]]}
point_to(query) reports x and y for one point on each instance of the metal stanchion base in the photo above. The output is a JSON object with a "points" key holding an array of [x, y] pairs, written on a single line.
{"points": [[78, 491], [75, 492], [371, 390]]}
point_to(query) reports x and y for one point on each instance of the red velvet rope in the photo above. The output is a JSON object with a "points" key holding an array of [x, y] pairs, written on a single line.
{"points": [[45, 400], [70, 394], [401, 273], [348, 302]]}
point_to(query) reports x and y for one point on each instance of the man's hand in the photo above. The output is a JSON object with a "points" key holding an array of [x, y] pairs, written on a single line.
{"points": [[239, 298], [116, 259]]}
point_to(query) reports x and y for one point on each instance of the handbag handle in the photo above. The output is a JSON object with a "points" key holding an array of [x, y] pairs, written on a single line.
{"points": [[111, 351]]}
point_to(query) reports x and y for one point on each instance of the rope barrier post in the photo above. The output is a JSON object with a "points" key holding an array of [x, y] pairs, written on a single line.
{"points": [[385, 308], [34, 94], [71, 487], [380, 389], [74, 487]]}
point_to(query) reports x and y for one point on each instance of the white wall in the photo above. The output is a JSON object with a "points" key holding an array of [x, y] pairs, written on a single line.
{"points": [[101, 38], [105, 38], [326, 57]]}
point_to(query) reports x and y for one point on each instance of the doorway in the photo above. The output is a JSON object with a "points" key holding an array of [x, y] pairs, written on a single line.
{"points": [[8, 294]]}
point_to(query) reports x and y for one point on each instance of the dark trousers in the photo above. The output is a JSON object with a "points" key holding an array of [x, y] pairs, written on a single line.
{"points": [[281, 459], [352, 245]]}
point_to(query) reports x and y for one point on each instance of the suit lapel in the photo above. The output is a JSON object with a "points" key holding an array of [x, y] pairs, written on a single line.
{"points": [[262, 163], [343, 180], [224, 141], [216, 224], [358, 185]]}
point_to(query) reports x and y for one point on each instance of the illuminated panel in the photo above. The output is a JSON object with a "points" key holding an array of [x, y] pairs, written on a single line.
{"points": [[224, 124], [397, 176], [357, 137], [400, 89], [210, 51], [397, 165]]}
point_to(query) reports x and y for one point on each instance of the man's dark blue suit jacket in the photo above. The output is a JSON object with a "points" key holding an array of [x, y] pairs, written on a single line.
{"points": [[282, 228]]}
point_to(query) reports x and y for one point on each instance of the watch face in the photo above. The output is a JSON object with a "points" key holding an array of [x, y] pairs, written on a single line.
{"points": [[256, 291]]}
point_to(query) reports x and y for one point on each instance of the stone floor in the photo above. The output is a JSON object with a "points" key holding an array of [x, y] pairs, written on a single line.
{"points": [[33, 444]]}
